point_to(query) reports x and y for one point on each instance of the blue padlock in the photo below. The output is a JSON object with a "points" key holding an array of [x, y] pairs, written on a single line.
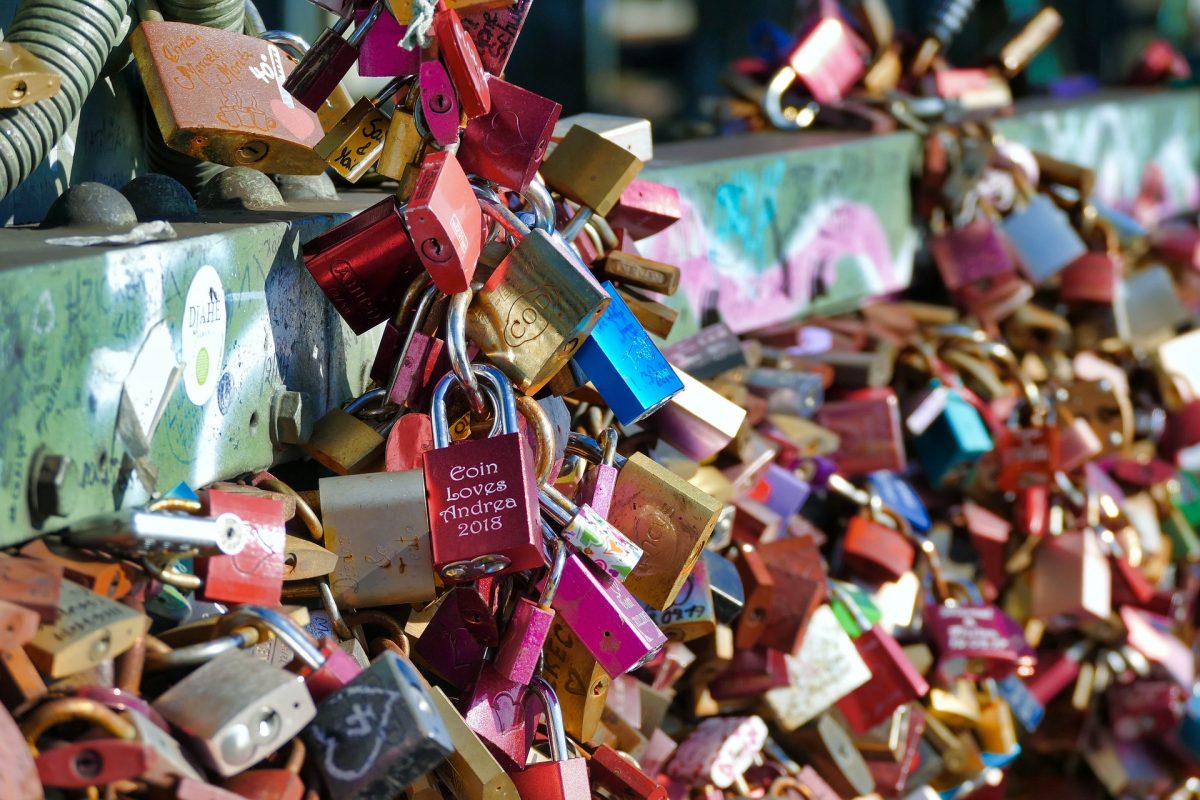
{"points": [[625, 366], [957, 436], [899, 495]]}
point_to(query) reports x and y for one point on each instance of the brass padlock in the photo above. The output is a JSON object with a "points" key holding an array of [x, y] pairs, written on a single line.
{"points": [[89, 629], [24, 78], [353, 145], [403, 144], [471, 772], [589, 169], [219, 96], [581, 685], [402, 9], [344, 443]]}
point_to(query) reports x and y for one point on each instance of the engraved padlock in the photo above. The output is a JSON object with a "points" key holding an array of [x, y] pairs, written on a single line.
{"points": [[458, 53], [88, 629], [494, 710], [537, 307], [482, 493], [219, 96]]}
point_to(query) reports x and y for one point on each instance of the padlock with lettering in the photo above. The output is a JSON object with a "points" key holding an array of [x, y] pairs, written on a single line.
{"points": [[483, 506], [88, 629], [279, 783], [24, 78], [378, 526], [338, 103], [365, 265], [698, 421], [405, 144], [379, 733], [632, 270], [625, 365], [606, 617], [439, 103], [444, 222], [494, 710], [495, 31], [589, 534], [537, 307], [971, 638], [446, 647], [380, 53], [237, 710], [529, 626], [718, 751], [667, 517], [249, 121], [579, 681], [255, 574], [506, 145], [1042, 235], [345, 444], [330, 58], [354, 144], [692, 614], [458, 53], [563, 777], [894, 679]]}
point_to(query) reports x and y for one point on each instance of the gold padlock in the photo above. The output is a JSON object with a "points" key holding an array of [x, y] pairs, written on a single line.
{"points": [[24, 78], [590, 170], [88, 629], [403, 144], [219, 96], [471, 772], [580, 683], [356, 141], [402, 9], [344, 443]]}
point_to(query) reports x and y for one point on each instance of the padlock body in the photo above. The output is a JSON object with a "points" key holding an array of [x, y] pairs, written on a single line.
{"points": [[894, 681], [495, 711], [321, 70], [375, 736], [667, 517], [1091, 278], [380, 54], [495, 31], [344, 444], [829, 60], [78, 765], [462, 62], [439, 102], [589, 169], [606, 618], [522, 643], [972, 641], [719, 751], [24, 78], [444, 222], [624, 364], [601, 543], [644, 209], [338, 670], [1027, 456], [876, 552], [580, 682], [869, 430], [957, 437], [506, 145], [410, 438], [364, 265], [535, 310], [596, 488], [353, 145], [255, 575], [447, 646], [1043, 238], [88, 630], [483, 505], [19, 779], [249, 121], [549, 780], [970, 253], [378, 526]]}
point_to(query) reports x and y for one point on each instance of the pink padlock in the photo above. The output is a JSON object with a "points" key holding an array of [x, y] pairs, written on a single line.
{"points": [[439, 103], [380, 54], [646, 208], [608, 620], [600, 479], [447, 647], [529, 626], [496, 714]]}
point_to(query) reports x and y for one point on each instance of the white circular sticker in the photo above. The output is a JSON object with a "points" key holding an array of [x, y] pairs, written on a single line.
{"points": [[203, 335]]}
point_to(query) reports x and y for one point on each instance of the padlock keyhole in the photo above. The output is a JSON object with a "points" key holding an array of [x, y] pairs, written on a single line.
{"points": [[88, 763], [18, 90]]}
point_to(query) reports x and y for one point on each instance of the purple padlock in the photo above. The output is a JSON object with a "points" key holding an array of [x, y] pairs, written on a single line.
{"points": [[447, 646], [439, 103], [495, 713], [973, 640], [608, 620], [600, 479], [380, 54], [970, 253], [781, 490]]}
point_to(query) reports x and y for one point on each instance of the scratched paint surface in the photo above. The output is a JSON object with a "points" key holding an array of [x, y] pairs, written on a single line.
{"points": [[71, 329]]}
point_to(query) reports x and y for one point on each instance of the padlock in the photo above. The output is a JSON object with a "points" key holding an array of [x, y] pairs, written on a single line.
{"points": [[482, 491], [590, 170], [825, 668], [606, 617], [1148, 308], [708, 352], [24, 78], [625, 365], [439, 103], [827, 60], [83, 764], [378, 526], [495, 711], [330, 58], [578, 680], [564, 776], [88, 629], [1019, 47], [667, 517], [795, 566], [620, 778], [17, 625], [32, 583], [446, 646], [338, 103], [479, 604], [236, 710], [968, 253], [381, 53], [600, 477], [631, 269], [345, 444], [1095, 275], [506, 145], [378, 733], [644, 209], [869, 430], [354, 144], [254, 575], [537, 307], [1041, 235], [364, 265], [1145, 709], [405, 144], [444, 222], [470, 771], [273, 784], [828, 748], [403, 10], [100, 575], [894, 679], [972, 639], [409, 362], [529, 626], [698, 421], [719, 751], [874, 550], [1071, 575], [759, 593], [21, 685], [458, 52], [588, 533], [495, 31], [249, 121], [692, 614]]}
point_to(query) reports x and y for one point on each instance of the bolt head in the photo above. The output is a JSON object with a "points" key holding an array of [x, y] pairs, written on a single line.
{"points": [[291, 418]]}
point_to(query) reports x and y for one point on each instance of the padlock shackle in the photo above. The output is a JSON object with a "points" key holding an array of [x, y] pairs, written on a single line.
{"points": [[503, 399], [588, 448], [556, 504], [303, 644], [491, 206], [292, 44], [557, 564], [545, 440], [541, 203], [555, 732], [792, 118], [362, 28], [361, 402], [460, 359], [419, 316], [195, 654], [68, 709]]}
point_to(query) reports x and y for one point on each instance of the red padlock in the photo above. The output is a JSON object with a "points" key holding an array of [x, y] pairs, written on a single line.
{"points": [[444, 222], [462, 62], [254, 575], [563, 777]]}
